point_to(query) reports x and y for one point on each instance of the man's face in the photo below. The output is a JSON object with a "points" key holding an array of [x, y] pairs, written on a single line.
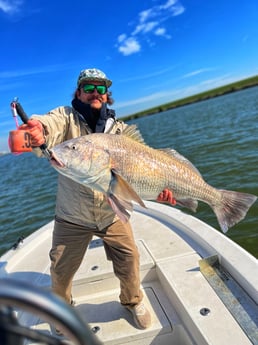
{"points": [[95, 99]]}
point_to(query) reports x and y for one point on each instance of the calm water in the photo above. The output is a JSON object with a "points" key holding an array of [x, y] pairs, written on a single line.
{"points": [[220, 136]]}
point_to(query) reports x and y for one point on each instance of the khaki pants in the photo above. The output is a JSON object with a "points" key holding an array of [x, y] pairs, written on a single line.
{"points": [[70, 242]]}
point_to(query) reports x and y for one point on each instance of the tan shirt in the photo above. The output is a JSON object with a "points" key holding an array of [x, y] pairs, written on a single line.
{"points": [[76, 203]]}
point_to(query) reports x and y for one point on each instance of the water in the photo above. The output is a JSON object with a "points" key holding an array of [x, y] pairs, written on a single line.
{"points": [[220, 136]]}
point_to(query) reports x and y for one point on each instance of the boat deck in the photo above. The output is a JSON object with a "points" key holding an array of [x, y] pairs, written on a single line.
{"points": [[185, 308]]}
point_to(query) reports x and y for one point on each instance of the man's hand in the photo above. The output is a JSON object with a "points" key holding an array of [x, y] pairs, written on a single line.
{"points": [[166, 196], [35, 128]]}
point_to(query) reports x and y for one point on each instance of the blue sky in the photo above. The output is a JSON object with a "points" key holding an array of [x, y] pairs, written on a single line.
{"points": [[155, 51]]}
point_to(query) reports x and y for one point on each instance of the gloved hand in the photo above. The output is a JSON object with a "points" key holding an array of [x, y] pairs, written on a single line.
{"points": [[35, 128], [166, 196]]}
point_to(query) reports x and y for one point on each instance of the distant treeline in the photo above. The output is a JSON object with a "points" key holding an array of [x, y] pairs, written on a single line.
{"points": [[239, 85]]}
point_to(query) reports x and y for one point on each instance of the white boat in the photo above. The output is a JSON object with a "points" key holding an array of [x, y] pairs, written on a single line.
{"points": [[200, 287]]}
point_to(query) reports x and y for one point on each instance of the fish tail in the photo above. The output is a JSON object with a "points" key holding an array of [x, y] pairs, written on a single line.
{"points": [[233, 208]]}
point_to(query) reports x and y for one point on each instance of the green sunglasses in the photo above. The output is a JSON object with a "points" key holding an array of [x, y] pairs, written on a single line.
{"points": [[89, 88]]}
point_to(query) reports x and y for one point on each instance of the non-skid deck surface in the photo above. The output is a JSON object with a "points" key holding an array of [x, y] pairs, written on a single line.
{"points": [[114, 323]]}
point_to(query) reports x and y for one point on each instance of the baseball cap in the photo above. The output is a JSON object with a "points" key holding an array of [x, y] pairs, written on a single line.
{"points": [[93, 74]]}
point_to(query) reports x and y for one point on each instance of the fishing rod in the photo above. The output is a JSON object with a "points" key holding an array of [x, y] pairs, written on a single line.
{"points": [[17, 109]]}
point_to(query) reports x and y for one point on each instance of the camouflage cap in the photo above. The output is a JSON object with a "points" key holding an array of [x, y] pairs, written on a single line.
{"points": [[93, 74]]}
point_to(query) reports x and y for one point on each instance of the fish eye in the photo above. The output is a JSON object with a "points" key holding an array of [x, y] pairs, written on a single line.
{"points": [[72, 146]]}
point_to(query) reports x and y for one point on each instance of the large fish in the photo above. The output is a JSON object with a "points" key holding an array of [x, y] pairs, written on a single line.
{"points": [[126, 171]]}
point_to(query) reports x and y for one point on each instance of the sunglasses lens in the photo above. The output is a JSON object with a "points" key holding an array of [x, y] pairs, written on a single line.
{"points": [[102, 89], [89, 88]]}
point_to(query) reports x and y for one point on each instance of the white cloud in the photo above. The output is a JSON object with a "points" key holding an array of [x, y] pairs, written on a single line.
{"points": [[146, 99], [161, 32], [168, 4], [144, 28], [218, 81], [129, 46], [199, 71], [174, 7], [177, 10], [148, 27], [121, 38], [32, 71], [149, 75], [144, 15], [10, 6]]}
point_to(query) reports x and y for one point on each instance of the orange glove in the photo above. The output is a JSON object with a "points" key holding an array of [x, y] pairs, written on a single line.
{"points": [[35, 128], [166, 196]]}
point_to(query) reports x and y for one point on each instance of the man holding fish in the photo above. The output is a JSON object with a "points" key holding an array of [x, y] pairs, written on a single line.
{"points": [[82, 212]]}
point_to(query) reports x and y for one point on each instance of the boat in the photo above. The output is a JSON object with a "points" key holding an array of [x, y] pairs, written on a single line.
{"points": [[200, 286]]}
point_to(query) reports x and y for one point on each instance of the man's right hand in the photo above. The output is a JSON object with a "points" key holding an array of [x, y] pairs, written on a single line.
{"points": [[166, 196], [35, 128]]}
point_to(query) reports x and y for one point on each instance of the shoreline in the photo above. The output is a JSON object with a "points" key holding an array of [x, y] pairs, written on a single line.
{"points": [[220, 91]]}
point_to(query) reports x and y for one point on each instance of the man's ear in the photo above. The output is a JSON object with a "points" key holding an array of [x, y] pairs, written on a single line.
{"points": [[77, 93]]}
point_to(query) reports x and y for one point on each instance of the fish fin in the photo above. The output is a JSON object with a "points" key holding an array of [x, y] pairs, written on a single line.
{"points": [[233, 208], [188, 203], [120, 196], [120, 207], [133, 133], [181, 158]]}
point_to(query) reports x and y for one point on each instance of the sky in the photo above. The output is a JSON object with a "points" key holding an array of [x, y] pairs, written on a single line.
{"points": [[154, 51]]}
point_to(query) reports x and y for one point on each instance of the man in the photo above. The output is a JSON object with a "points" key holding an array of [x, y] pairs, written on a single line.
{"points": [[81, 212]]}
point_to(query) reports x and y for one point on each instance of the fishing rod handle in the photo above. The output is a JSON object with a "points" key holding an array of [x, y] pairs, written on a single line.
{"points": [[25, 119], [21, 112]]}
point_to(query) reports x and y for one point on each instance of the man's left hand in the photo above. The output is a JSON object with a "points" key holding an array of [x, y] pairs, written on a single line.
{"points": [[166, 196]]}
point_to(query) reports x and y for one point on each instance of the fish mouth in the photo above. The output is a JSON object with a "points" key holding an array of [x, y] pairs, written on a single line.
{"points": [[55, 161]]}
